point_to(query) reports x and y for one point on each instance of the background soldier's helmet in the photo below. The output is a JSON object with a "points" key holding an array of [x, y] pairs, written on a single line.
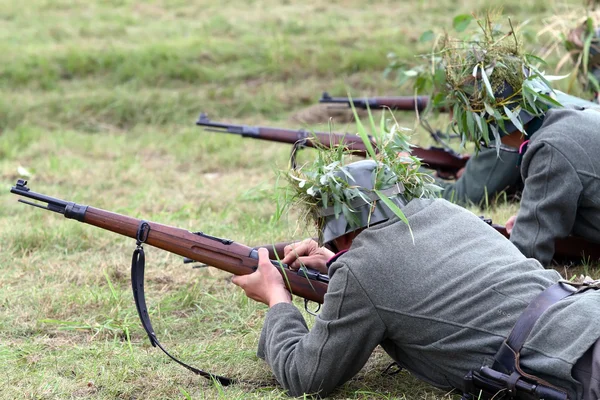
{"points": [[576, 43], [491, 86], [367, 209], [506, 91]]}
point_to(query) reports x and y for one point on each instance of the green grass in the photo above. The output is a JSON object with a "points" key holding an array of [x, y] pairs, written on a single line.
{"points": [[97, 103]]}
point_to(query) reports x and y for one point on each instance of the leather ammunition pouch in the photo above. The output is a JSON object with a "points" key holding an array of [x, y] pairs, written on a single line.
{"points": [[505, 379]]}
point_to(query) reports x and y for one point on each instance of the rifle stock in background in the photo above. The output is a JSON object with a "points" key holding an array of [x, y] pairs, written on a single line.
{"points": [[402, 103], [446, 162], [570, 249]]}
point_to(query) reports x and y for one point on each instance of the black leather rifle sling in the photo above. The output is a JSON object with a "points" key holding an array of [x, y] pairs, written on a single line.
{"points": [[138, 262], [507, 358]]}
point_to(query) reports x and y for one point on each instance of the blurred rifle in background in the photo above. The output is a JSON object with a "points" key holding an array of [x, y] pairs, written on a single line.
{"points": [[570, 249], [405, 103], [444, 160]]}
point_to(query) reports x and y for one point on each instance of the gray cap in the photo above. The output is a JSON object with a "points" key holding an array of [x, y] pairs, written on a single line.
{"points": [[363, 174]]}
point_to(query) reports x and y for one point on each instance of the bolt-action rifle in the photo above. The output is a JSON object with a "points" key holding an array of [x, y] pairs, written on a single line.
{"points": [[223, 254], [445, 161], [571, 248], [405, 103]]}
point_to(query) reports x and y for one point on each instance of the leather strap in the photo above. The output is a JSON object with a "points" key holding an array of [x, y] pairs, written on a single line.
{"points": [[138, 263], [506, 359]]}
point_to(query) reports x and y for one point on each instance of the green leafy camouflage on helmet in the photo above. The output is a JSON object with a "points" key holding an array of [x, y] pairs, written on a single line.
{"points": [[583, 45], [573, 34], [491, 86], [340, 196]]}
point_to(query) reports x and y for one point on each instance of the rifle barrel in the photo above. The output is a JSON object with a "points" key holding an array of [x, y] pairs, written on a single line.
{"points": [[445, 162]]}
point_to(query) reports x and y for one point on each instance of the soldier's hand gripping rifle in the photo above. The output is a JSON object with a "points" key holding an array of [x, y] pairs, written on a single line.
{"points": [[221, 253], [446, 162]]}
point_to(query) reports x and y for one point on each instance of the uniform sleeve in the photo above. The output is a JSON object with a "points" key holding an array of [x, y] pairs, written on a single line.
{"points": [[485, 175], [343, 337], [548, 205]]}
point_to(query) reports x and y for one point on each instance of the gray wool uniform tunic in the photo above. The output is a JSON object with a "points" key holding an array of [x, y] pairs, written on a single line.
{"points": [[561, 172], [439, 307], [485, 177]]}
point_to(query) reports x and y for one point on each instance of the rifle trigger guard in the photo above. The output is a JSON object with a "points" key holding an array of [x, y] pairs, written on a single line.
{"points": [[142, 233], [314, 312]]}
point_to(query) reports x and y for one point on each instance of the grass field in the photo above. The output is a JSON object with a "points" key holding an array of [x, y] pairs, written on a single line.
{"points": [[97, 105]]}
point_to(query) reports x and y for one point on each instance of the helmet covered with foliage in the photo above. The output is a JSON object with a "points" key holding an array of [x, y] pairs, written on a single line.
{"points": [[491, 86], [583, 44], [576, 30], [486, 81], [340, 196], [362, 207]]}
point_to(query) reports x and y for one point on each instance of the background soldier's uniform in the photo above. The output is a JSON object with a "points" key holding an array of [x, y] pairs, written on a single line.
{"points": [[561, 171], [486, 174], [440, 306]]}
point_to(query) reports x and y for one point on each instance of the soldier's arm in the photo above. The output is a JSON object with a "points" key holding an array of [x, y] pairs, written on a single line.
{"points": [[485, 174], [548, 205]]}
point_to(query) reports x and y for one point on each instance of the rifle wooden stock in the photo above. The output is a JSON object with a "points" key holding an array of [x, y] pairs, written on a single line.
{"points": [[441, 160], [570, 248], [223, 254]]}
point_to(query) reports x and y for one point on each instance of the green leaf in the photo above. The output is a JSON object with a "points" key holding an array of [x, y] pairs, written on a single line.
{"points": [[396, 210], [590, 25], [361, 130], [438, 99], [486, 81], [586, 49], [552, 78], [549, 100], [337, 208], [499, 120], [514, 119], [594, 82], [530, 58], [426, 36], [530, 96], [461, 22], [471, 121], [439, 77], [496, 135], [489, 109]]}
